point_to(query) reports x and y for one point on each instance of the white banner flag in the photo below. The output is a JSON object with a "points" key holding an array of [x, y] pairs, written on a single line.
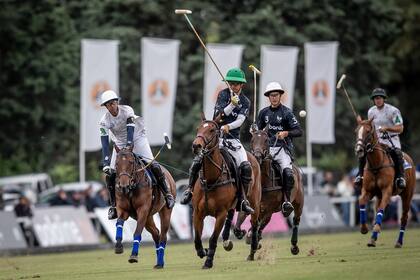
{"points": [[278, 64], [320, 79], [159, 76], [99, 73], [226, 57]]}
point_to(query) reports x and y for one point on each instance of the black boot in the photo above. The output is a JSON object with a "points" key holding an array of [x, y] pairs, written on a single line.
{"points": [[245, 171], [160, 177], [358, 181], [288, 182], [194, 169], [110, 185], [397, 157]]}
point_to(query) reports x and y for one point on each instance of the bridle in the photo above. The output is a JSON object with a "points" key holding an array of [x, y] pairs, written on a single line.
{"points": [[208, 150], [369, 142], [135, 168]]}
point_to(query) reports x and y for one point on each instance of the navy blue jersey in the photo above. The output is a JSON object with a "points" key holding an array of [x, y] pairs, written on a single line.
{"points": [[223, 100], [276, 120]]}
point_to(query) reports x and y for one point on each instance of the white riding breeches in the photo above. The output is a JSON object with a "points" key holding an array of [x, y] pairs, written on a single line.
{"points": [[282, 157], [141, 148], [239, 154]]}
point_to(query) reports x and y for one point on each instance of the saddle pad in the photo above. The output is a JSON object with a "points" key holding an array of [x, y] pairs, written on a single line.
{"points": [[407, 165]]}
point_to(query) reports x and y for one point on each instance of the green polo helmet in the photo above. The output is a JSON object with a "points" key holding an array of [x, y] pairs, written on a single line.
{"points": [[235, 75], [378, 92]]}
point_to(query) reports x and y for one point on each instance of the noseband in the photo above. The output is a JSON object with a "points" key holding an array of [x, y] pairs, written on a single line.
{"points": [[131, 175]]}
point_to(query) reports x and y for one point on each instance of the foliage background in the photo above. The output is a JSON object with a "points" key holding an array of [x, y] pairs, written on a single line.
{"points": [[40, 68]]}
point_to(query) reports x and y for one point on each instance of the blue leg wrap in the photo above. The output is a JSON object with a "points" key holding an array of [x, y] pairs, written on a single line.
{"points": [[375, 235], [379, 216], [119, 225], [136, 245], [401, 236], [160, 253], [362, 209]]}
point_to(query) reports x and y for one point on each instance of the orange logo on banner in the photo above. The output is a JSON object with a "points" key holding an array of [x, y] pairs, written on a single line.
{"points": [[97, 89], [219, 88], [158, 91], [320, 92]]}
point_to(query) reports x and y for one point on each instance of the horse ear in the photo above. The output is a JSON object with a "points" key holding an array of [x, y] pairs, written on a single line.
{"points": [[359, 119], [218, 118], [203, 117], [117, 149], [370, 120]]}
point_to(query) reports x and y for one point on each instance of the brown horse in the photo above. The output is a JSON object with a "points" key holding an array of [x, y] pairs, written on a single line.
{"points": [[379, 180], [272, 194], [136, 197], [215, 192]]}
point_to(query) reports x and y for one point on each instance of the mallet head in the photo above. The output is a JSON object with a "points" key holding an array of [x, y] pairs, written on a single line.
{"points": [[183, 12]]}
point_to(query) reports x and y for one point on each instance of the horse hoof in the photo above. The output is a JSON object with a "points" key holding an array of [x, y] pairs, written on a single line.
{"points": [[202, 253], [250, 258], [372, 243], [228, 245], [239, 234], [294, 250], [248, 238], [133, 259], [259, 246], [119, 249], [364, 229], [158, 266], [398, 245], [207, 264]]}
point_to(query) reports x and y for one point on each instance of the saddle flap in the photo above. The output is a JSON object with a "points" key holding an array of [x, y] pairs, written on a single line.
{"points": [[230, 161]]}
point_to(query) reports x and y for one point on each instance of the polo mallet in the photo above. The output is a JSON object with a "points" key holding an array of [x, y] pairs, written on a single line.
{"points": [[341, 85], [256, 71], [167, 144], [185, 13]]}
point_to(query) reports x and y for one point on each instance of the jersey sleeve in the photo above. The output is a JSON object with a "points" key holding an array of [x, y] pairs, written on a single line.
{"points": [[245, 108], [221, 103], [396, 117]]}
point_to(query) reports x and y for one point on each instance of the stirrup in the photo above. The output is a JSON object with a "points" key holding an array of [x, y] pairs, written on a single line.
{"points": [[287, 208], [400, 182], [186, 197], [170, 201], [246, 208], [112, 213]]}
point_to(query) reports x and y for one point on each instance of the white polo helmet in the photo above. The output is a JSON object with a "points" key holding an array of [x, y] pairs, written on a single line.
{"points": [[108, 96], [273, 86]]}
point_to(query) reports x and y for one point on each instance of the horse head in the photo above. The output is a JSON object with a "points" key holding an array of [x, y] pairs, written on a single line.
{"points": [[366, 138], [259, 145], [128, 170], [207, 138]]}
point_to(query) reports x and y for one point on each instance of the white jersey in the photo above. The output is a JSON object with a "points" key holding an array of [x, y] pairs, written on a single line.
{"points": [[118, 125], [387, 116]]}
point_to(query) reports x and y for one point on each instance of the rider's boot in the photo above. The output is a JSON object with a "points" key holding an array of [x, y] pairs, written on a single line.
{"points": [[397, 157], [160, 177], [245, 171], [110, 185], [194, 169], [288, 182]]}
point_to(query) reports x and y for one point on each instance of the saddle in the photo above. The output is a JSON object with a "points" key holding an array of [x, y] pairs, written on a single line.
{"points": [[231, 164], [142, 162]]}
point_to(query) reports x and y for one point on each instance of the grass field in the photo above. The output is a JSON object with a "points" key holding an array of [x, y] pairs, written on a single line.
{"points": [[326, 256]]}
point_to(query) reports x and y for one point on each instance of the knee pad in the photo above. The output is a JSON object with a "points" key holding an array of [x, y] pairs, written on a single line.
{"points": [[245, 171], [288, 178]]}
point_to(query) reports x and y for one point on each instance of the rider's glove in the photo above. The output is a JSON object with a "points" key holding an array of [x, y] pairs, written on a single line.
{"points": [[107, 170]]}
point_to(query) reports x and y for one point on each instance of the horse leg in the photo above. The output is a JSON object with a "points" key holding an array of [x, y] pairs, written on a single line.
{"points": [[119, 249], [237, 231], [363, 200], [227, 243], [142, 214], [265, 219], [254, 240], [294, 240], [406, 201], [382, 203], [198, 221], [151, 227], [165, 221], [220, 219]]}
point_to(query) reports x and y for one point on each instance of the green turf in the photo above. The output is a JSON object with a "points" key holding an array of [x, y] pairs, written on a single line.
{"points": [[325, 256]]}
